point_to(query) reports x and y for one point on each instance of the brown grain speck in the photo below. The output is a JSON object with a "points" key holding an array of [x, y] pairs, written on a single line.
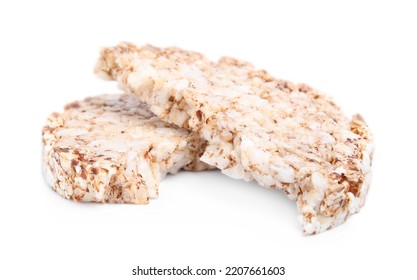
{"points": [[199, 115], [84, 174]]}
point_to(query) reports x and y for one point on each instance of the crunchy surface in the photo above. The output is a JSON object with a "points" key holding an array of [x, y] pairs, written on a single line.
{"points": [[282, 135], [110, 148]]}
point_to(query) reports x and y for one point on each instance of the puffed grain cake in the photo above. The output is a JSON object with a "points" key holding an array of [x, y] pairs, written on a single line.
{"points": [[283, 135], [111, 148]]}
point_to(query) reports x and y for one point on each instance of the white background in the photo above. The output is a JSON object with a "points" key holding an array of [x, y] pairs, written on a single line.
{"points": [[362, 53]]}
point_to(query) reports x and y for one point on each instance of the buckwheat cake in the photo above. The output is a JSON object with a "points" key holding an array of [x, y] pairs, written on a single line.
{"points": [[111, 148], [282, 135]]}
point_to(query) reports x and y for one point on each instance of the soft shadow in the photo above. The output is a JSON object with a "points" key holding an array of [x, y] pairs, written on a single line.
{"points": [[273, 204]]}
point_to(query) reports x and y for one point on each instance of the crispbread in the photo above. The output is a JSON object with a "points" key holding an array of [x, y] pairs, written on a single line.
{"points": [[283, 135], [111, 148]]}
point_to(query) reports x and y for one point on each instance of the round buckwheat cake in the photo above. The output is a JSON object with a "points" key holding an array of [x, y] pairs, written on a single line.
{"points": [[111, 148], [282, 135]]}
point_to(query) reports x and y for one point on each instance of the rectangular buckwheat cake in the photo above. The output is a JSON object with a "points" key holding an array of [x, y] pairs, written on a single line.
{"points": [[282, 135], [111, 148]]}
